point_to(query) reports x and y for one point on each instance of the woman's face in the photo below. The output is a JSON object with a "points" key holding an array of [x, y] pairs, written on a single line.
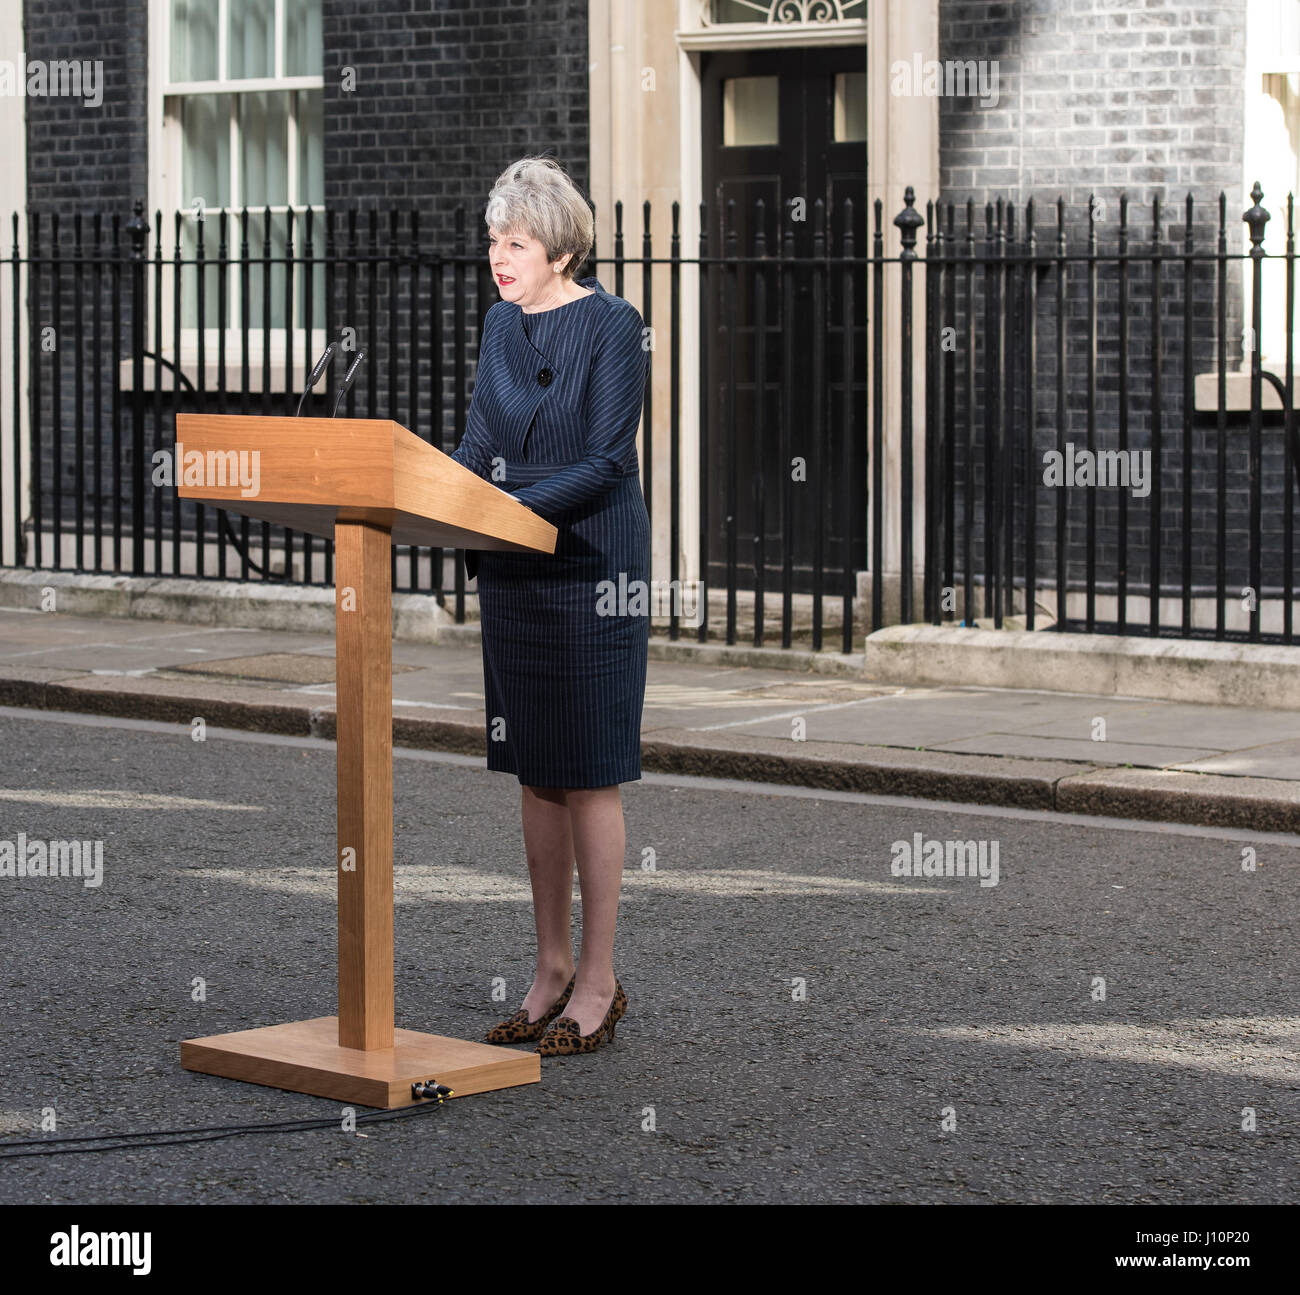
{"points": [[520, 268]]}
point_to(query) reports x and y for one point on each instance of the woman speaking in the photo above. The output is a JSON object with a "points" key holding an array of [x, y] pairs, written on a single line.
{"points": [[553, 420]]}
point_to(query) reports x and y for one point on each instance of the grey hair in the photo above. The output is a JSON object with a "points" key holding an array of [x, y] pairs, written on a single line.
{"points": [[535, 196]]}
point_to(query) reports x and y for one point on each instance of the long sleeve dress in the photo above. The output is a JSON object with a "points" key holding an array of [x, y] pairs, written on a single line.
{"points": [[553, 420]]}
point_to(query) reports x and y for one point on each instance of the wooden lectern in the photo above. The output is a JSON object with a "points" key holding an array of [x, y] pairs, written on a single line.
{"points": [[367, 484]]}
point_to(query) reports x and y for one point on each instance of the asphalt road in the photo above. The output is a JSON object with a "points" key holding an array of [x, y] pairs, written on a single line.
{"points": [[922, 994]]}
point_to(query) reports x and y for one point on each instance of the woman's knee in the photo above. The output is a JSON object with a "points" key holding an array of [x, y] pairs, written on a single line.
{"points": [[552, 795], [581, 798]]}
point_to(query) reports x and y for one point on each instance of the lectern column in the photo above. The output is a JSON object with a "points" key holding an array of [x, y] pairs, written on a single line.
{"points": [[321, 476], [363, 613]]}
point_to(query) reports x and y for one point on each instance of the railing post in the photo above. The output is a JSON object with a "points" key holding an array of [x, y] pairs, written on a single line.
{"points": [[706, 341], [138, 229], [820, 430], [909, 220], [1032, 462], [1256, 217], [929, 595], [674, 422], [877, 489], [16, 332], [759, 439], [1291, 461], [33, 375]]}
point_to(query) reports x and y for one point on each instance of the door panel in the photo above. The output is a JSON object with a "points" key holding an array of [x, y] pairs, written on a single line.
{"points": [[746, 465]]}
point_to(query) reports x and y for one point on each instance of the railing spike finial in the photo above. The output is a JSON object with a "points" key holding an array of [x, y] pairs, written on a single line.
{"points": [[138, 228], [909, 220], [1256, 217]]}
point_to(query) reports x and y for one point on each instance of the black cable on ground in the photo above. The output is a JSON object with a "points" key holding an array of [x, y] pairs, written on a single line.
{"points": [[181, 1137]]}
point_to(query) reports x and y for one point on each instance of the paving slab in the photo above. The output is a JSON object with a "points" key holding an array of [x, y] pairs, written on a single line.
{"points": [[710, 716], [1083, 750], [1176, 724], [1271, 760], [920, 717]]}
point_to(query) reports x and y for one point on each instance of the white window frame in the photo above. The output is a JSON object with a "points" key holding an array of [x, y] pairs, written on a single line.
{"points": [[165, 150], [1263, 57], [15, 446]]}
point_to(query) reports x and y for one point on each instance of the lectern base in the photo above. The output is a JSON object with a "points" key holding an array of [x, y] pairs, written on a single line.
{"points": [[305, 1057]]}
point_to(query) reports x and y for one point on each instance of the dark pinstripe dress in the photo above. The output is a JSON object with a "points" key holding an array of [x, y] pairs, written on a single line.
{"points": [[553, 420]]}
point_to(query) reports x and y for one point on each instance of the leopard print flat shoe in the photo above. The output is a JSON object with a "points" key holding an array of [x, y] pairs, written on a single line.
{"points": [[563, 1038], [519, 1029]]}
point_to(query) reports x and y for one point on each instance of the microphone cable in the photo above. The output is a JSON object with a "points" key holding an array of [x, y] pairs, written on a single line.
{"points": [[182, 1137]]}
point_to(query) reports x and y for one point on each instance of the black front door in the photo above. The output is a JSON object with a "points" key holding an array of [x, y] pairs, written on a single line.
{"points": [[782, 125]]}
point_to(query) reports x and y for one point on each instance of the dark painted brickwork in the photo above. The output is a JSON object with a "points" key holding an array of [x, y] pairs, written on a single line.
{"points": [[1096, 96], [1093, 98], [80, 157], [444, 97], [1100, 98], [83, 159]]}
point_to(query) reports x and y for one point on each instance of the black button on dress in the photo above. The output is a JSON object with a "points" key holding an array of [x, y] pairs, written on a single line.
{"points": [[553, 420]]}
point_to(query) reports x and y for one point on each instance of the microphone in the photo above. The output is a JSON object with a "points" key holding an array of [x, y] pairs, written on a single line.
{"points": [[321, 365], [348, 379]]}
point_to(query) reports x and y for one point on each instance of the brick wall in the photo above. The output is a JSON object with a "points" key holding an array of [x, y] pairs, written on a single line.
{"points": [[1093, 98], [1096, 96], [445, 97], [80, 157], [442, 100]]}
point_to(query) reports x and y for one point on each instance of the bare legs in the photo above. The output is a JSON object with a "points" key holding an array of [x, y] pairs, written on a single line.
{"points": [[599, 838], [548, 843], [560, 824]]}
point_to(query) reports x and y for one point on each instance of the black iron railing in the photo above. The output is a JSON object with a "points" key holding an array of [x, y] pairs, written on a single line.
{"points": [[873, 437], [227, 312], [1061, 357]]}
